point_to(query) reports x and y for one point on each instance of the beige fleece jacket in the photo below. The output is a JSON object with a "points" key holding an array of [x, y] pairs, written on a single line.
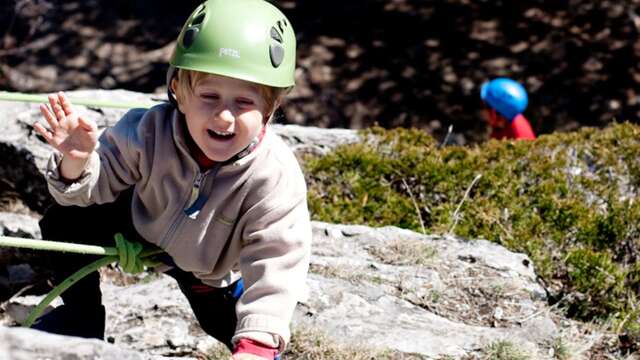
{"points": [[251, 219]]}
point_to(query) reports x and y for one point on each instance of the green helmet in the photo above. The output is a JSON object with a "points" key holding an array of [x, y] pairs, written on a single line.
{"points": [[245, 39]]}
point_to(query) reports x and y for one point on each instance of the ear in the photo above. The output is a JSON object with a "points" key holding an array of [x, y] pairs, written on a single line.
{"points": [[174, 89], [269, 116]]}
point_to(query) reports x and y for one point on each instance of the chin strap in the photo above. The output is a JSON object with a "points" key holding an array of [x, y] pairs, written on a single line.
{"points": [[252, 146], [254, 143]]}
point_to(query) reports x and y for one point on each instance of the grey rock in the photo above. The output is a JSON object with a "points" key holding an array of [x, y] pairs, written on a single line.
{"points": [[19, 225], [27, 344], [314, 140], [357, 296]]}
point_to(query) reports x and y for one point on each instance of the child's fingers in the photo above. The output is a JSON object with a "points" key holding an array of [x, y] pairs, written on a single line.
{"points": [[66, 104], [57, 109], [46, 134], [53, 122], [52, 101]]}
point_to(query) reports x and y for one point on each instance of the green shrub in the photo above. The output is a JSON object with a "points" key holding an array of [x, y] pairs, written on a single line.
{"points": [[504, 350], [567, 200]]}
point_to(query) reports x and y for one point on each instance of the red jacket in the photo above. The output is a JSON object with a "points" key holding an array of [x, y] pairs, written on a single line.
{"points": [[518, 128]]}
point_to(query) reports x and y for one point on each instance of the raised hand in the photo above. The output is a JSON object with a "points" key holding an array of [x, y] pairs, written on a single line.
{"points": [[72, 135], [69, 133]]}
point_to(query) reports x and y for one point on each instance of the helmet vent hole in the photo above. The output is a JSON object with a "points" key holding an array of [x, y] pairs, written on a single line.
{"points": [[198, 19], [280, 26], [189, 37], [275, 35], [276, 53]]}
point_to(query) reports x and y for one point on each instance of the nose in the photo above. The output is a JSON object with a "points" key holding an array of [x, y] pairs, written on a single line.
{"points": [[226, 115]]}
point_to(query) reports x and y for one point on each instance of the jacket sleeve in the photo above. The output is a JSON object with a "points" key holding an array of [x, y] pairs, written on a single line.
{"points": [[274, 262], [522, 129], [113, 166]]}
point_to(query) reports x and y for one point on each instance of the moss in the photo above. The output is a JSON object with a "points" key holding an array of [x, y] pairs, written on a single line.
{"points": [[595, 275], [567, 200], [217, 352], [560, 349], [404, 252], [310, 344], [344, 273], [504, 350], [314, 344]]}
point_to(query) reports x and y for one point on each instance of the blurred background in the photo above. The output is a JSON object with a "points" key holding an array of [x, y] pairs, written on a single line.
{"points": [[395, 63]]}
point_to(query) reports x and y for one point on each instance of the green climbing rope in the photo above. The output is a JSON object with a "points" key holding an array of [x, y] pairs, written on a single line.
{"points": [[35, 98], [75, 277], [111, 255], [8, 241]]}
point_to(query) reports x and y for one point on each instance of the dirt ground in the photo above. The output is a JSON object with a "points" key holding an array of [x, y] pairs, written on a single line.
{"points": [[403, 63]]}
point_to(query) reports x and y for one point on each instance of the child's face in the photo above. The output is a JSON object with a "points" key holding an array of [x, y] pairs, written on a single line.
{"points": [[223, 115]]}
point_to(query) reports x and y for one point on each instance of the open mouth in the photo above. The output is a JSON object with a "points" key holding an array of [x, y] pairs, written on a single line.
{"points": [[220, 135]]}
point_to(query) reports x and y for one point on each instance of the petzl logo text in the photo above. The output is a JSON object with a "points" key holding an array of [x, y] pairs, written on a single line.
{"points": [[229, 52]]}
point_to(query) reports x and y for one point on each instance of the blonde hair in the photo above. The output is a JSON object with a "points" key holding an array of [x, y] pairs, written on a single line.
{"points": [[186, 80]]}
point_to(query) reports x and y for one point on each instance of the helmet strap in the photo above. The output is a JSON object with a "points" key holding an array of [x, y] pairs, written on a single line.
{"points": [[251, 147]]}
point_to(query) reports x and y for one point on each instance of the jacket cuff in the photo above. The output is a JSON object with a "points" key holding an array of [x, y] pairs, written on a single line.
{"points": [[59, 185], [248, 346], [265, 329]]}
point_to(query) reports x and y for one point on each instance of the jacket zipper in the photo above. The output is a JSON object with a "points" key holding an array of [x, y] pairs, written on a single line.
{"points": [[194, 204], [195, 192]]}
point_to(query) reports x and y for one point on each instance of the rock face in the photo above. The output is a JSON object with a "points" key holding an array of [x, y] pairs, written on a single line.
{"points": [[27, 344], [387, 287], [421, 294]]}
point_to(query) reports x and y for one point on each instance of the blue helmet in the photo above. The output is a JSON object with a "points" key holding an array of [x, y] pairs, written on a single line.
{"points": [[506, 96]]}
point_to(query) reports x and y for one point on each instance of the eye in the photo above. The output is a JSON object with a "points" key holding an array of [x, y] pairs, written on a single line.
{"points": [[209, 96], [245, 102]]}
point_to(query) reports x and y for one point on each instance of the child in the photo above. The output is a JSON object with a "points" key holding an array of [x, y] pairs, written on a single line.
{"points": [[506, 100], [203, 178]]}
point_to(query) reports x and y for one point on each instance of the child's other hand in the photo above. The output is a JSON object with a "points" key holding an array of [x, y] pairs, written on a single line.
{"points": [[69, 133]]}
